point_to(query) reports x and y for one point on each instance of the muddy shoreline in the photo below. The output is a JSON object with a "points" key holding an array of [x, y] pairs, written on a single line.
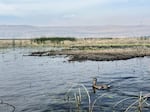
{"points": [[97, 55]]}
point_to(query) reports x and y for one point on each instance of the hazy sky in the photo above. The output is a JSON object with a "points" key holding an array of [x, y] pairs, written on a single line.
{"points": [[75, 12]]}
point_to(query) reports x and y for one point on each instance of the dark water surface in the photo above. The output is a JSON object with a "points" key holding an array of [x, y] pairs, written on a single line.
{"points": [[39, 84]]}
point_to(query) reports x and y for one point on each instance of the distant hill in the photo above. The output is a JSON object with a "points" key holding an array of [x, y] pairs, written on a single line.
{"points": [[26, 31]]}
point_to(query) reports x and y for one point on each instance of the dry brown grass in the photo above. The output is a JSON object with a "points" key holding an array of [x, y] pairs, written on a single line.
{"points": [[80, 42], [108, 54]]}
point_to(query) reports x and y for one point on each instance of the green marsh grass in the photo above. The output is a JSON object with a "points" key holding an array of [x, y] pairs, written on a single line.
{"points": [[53, 39]]}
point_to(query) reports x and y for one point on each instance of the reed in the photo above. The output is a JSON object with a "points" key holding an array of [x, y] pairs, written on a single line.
{"points": [[94, 102], [78, 96], [140, 102], [10, 105]]}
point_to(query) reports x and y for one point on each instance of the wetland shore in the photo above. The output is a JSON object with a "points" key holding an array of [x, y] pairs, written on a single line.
{"points": [[95, 49], [97, 55]]}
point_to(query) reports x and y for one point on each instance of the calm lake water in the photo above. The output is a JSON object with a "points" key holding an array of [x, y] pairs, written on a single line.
{"points": [[26, 31], [39, 84]]}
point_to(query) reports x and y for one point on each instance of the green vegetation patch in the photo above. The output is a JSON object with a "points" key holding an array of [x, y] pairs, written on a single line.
{"points": [[53, 39]]}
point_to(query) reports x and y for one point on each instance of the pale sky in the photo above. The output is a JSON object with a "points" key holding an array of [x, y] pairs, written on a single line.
{"points": [[74, 12]]}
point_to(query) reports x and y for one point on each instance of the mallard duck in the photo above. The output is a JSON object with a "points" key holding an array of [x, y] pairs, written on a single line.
{"points": [[101, 86]]}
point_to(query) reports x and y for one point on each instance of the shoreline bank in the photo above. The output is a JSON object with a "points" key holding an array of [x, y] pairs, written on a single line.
{"points": [[95, 49], [97, 55]]}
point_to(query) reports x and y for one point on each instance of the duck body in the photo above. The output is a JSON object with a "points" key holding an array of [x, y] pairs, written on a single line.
{"points": [[101, 86]]}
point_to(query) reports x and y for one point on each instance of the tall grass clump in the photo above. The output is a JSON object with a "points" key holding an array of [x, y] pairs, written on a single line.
{"points": [[77, 97], [78, 92], [138, 104]]}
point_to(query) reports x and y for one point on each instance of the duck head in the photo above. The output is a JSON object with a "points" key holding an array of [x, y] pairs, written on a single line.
{"points": [[94, 81]]}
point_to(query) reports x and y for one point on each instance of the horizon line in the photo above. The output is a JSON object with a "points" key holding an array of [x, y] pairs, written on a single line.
{"points": [[66, 25]]}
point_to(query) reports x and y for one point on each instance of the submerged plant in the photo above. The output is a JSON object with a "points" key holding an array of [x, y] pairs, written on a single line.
{"points": [[78, 98], [10, 105]]}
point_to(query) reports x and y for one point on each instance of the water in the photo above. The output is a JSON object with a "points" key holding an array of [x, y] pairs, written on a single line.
{"points": [[25, 31], [39, 84]]}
